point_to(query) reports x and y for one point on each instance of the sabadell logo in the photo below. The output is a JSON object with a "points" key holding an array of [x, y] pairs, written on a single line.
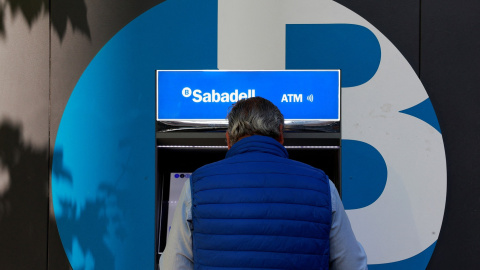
{"points": [[214, 96]]}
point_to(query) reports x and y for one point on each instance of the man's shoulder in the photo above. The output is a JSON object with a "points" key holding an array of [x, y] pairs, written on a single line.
{"points": [[302, 165], [306, 168], [280, 165]]}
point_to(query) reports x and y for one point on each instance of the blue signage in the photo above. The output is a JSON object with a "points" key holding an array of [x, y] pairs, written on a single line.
{"points": [[208, 95]]}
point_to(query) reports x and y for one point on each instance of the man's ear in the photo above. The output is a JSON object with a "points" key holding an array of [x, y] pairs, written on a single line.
{"points": [[228, 140]]}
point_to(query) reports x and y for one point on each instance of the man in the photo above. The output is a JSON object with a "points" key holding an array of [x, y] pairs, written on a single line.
{"points": [[257, 209]]}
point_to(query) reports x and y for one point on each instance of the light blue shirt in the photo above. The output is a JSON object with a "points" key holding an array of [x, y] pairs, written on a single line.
{"points": [[346, 253]]}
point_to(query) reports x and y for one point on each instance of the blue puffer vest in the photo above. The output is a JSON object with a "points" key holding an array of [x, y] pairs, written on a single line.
{"points": [[257, 209]]}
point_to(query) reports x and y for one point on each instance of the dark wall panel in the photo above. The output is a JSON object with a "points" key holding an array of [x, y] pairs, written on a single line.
{"points": [[24, 206], [24, 87], [450, 64]]}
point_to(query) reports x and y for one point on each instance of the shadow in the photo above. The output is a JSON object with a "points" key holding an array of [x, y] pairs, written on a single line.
{"points": [[24, 201], [92, 252], [73, 11], [57, 258], [59, 170], [88, 228]]}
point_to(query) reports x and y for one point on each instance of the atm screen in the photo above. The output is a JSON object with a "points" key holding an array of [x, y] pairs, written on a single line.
{"points": [[169, 203], [202, 98], [177, 180]]}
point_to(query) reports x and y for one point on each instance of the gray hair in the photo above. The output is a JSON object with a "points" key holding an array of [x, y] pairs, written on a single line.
{"points": [[254, 116]]}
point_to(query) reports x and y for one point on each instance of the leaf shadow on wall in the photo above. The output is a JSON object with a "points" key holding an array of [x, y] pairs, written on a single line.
{"points": [[23, 199], [90, 226], [73, 11], [87, 247], [24, 211]]}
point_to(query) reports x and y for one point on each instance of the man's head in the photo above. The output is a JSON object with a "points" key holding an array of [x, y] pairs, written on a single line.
{"points": [[254, 116]]}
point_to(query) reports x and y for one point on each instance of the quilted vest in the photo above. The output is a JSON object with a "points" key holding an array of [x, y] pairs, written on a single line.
{"points": [[257, 209]]}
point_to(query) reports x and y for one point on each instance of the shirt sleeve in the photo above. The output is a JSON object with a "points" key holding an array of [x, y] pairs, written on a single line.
{"points": [[178, 253], [345, 251]]}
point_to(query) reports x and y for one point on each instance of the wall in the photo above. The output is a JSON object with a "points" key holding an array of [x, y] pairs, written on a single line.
{"points": [[24, 134], [46, 47]]}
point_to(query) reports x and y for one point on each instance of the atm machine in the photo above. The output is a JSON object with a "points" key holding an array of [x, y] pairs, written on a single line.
{"points": [[191, 112]]}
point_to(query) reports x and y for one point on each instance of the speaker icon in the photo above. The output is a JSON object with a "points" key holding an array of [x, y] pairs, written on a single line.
{"points": [[310, 98]]}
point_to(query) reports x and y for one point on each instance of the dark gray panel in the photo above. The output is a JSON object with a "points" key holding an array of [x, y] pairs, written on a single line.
{"points": [[397, 20], [24, 82], [57, 258], [450, 64], [24, 205]]}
